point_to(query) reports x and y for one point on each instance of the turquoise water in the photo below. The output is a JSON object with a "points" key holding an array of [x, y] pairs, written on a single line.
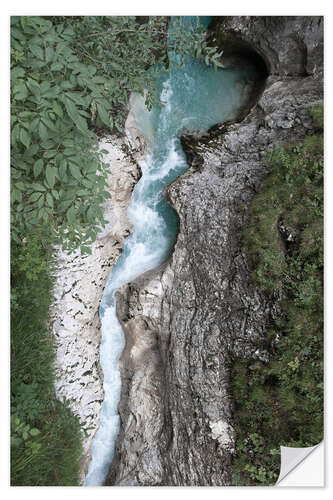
{"points": [[194, 98]]}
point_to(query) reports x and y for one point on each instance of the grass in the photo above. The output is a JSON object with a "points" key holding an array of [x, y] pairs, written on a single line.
{"points": [[285, 240], [46, 442]]}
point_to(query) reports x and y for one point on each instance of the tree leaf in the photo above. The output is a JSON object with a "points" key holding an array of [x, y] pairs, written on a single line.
{"points": [[19, 185], [75, 171], [34, 432], [38, 187], [58, 109], [43, 131], [50, 154], [49, 53], [16, 195], [72, 111], [41, 201], [17, 72], [48, 123], [38, 167], [103, 114], [57, 66], [82, 125], [71, 215], [34, 197], [37, 51], [63, 169], [49, 200], [91, 213], [24, 137], [50, 175], [20, 92], [65, 204]]}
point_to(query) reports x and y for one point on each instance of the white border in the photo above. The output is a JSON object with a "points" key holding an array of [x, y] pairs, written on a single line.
{"points": [[138, 7]]}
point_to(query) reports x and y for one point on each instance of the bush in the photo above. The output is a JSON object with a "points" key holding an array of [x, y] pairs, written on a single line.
{"points": [[70, 77], [45, 435], [285, 241]]}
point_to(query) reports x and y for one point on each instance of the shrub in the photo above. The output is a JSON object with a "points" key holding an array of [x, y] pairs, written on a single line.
{"points": [[45, 435], [285, 241]]}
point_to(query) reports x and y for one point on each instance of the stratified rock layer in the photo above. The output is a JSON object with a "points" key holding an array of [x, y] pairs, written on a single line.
{"points": [[186, 321], [79, 284]]}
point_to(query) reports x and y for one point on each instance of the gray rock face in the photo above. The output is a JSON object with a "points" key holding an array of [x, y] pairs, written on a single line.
{"points": [[186, 321], [289, 45]]}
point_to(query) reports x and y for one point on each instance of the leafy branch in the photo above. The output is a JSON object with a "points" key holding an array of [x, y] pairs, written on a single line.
{"points": [[62, 92]]}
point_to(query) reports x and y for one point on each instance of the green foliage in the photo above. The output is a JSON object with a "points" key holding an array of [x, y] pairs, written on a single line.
{"points": [[293, 199], [71, 76], [189, 40], [58, 176], [31, 260], [318, 117], [285, 240], [45, 435]]}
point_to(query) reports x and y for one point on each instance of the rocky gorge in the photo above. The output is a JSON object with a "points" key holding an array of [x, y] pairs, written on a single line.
{"points": [[186, 321], [79, 282]]}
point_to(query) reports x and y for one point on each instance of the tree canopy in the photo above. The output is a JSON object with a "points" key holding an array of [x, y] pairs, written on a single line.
{"points": [[71, 76]]}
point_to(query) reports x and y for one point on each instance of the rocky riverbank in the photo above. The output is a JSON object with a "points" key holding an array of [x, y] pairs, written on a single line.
{"points": [[186, 321], [79, 285]]}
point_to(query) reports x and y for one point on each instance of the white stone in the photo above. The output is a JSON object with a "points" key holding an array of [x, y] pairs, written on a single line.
{"points": [[224, 433]]}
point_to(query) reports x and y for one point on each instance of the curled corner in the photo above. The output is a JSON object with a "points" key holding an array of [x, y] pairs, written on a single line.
{"points": [[291, 458]]}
